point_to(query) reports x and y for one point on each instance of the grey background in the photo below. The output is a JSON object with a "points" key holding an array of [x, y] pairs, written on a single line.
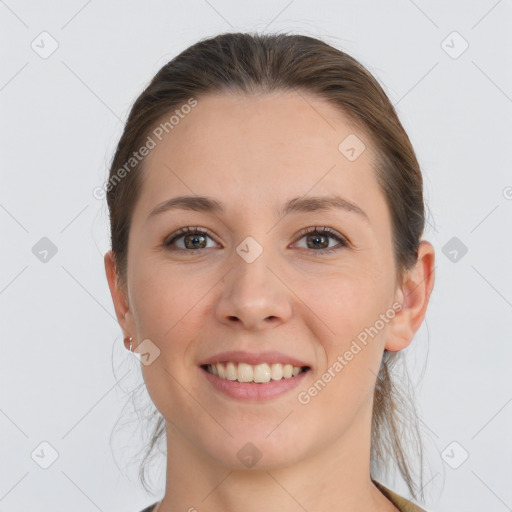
{"points": [[61, 117]]}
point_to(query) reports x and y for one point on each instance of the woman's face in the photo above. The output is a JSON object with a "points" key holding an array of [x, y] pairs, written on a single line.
{"points": [[253, 280]]}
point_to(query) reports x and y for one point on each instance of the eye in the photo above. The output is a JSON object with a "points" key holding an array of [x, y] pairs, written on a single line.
{"points": [[319, 239], [194, 238]]}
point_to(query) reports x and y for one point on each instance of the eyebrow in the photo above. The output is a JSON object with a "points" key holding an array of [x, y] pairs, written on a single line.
{"points": [[296, 205]]}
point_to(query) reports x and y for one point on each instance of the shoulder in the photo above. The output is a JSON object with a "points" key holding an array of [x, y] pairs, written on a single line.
{"points": [[403, 504]]}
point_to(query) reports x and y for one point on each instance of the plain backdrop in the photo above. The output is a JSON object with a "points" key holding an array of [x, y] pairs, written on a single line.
{"points": [[69, 74]]}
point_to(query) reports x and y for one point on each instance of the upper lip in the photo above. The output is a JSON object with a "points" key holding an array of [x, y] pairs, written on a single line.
{"points": [[253, 358]]}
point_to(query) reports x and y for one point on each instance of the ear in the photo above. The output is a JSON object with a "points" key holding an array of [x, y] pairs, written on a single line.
{"points": [[413, 294], [119, 297]]}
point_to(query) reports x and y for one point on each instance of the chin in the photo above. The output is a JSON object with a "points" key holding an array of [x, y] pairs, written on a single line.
{"points": [[254, 452]]}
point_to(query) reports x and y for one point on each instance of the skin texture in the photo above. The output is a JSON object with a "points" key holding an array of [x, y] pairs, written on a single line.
{"points": [[253, 153]]}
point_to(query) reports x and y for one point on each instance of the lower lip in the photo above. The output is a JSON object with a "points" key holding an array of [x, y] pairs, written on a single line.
{"points": [[254, 391]]}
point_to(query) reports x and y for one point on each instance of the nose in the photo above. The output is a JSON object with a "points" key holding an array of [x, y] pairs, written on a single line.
{"points": [[254, 295]]}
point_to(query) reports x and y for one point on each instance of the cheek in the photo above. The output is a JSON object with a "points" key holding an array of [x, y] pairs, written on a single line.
{"points": [[168, 311], [172, 307], [347, 301], [352, 347], [161, 291], [348, 310], [160, 301]]}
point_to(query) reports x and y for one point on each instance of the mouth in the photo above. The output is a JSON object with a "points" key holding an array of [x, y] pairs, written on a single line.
{"points": [[262, 373]]}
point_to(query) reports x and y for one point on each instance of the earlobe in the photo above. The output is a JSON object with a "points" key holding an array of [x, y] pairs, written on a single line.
{"points": [[413, 294]]}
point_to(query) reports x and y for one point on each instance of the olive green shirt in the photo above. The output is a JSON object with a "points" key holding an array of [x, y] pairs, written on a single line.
{"points": [[403, 504]]}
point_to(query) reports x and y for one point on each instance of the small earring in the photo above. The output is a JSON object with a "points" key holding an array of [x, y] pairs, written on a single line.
{"points": [[126, 340]]}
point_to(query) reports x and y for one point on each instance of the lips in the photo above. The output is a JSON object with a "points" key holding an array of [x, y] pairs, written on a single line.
{"points": [[253, 358]]}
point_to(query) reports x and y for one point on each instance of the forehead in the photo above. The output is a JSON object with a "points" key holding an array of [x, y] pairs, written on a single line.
{"points": [[261, 149], [265, 122]]}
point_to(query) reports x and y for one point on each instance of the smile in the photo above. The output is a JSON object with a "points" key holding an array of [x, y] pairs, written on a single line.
{"points": [[260, 373], [254, 383]]}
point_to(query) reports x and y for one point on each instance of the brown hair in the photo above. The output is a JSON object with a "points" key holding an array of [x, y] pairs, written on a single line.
{"points": [[253, 63]]}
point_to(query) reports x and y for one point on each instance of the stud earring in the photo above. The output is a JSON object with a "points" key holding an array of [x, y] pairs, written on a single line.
{"points": [[130, 340]]}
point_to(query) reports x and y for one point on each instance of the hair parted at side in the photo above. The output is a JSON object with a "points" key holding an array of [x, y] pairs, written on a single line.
{"points": [[260, 63]]}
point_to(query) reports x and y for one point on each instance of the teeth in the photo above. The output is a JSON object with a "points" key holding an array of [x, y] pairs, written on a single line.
{"points": [[276, 371], [260, 373]]}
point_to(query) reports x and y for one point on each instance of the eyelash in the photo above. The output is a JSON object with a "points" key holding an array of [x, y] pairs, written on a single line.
{"points": [[343, 242]]}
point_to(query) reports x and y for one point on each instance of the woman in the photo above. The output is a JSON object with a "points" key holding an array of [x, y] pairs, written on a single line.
{"points": [[267, 265]]}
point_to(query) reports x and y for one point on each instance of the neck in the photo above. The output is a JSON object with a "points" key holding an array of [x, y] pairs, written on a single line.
{"points": [[336, 477]]}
